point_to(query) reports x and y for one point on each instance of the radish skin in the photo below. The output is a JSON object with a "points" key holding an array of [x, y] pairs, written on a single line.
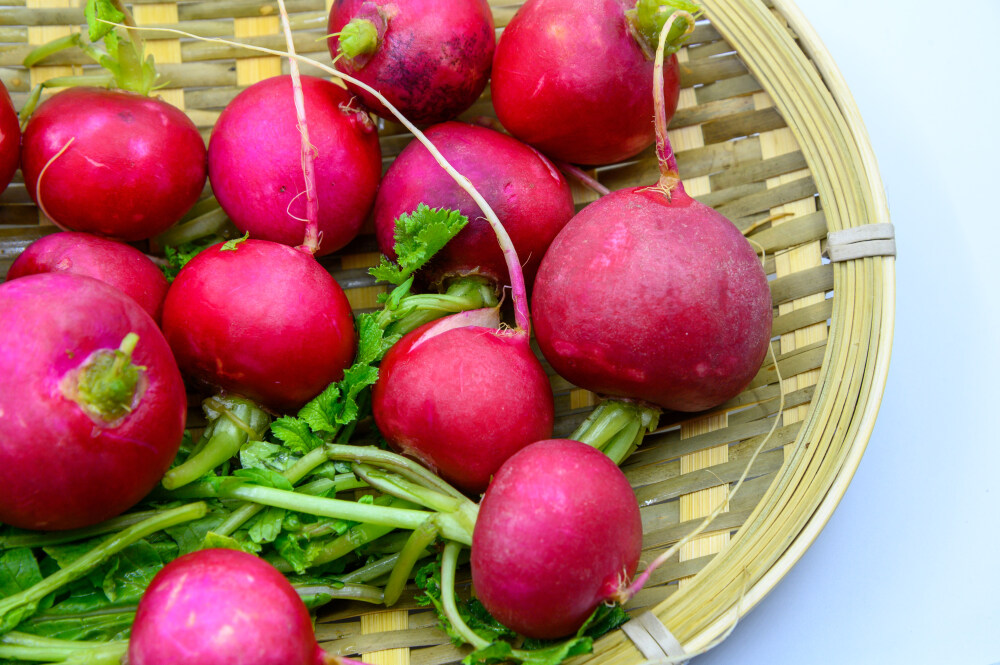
{"points": [[10, 138]]}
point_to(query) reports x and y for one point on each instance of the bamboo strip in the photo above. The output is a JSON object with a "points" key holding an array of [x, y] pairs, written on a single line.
{"points": [[162, 50]]}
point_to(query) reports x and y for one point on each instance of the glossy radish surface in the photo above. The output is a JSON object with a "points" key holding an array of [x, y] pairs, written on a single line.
{"points": [[430, 58], [530, 196], [115, 263], [130, 165], [88, 425], [262, 320], [462, 397], [222, 606], [571, 79], [558, 533], [10, 138], [255, 162]]}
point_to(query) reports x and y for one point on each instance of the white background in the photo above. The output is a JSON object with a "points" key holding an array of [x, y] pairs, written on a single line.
{"points": [[908, 568]]}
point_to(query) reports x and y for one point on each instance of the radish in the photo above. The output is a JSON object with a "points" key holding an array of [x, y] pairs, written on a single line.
{"points": [[531, 198], [222, 606], [430, 58], [462, 396], [575, 521], [262, 320], [92, 407], [10, 138], [115, 263], [256, 167], [650, 296], [573, 78]]}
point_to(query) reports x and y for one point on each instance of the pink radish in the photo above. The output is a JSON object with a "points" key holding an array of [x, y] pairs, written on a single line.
{"points": [[462, 396], [222, 606], [531, 198], [115, 263], [10, 138], [558, 533], [649, 295], [574, 78], [92, 407], [113, 163], [430, 58], [256, 166], [261, 320]]}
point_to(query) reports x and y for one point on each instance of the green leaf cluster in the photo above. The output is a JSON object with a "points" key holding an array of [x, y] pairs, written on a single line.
{"points": [[418, 237]]}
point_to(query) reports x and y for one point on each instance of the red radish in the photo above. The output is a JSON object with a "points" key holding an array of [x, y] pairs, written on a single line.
{"points": [[256, 167], [262, 320], [222, 606], [558, 533], [430, 58], [113, 163], [10, 138], [115, 263], [650, 295], [90, 415], [574, 79], [531, 198], [462, 396]]}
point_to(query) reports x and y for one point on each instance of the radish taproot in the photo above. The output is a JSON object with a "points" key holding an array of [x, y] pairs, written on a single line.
{"points": [[654, 299], [462, 396], [430, 58], [115, 263], [531, 198], [10, 138], [260, 128], [93, 407], [573, 78], [575, 520]]}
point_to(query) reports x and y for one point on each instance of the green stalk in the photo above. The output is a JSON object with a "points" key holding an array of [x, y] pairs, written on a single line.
{"points": [[414, 549], [389, 460], [315, 595], [23, 604], [449, 563], [36, 539], [236, 421], [414, 310], [617, 427], [375, 569], [396, 485]]}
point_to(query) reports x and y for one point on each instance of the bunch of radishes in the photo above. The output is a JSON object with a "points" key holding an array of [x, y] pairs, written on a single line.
{"points": [[645, 296]]}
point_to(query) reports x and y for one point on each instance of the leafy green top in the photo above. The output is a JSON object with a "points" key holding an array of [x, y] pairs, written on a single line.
{"points": [[418, 236]]}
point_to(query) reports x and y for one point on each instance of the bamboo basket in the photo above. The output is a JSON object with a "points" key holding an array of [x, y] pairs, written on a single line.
{"points": [[767, 133]]}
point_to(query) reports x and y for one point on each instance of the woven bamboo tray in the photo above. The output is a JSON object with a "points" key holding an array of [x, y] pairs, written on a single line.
{"points": [[767, 133]]}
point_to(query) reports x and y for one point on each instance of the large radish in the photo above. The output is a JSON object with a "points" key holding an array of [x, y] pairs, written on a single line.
{"points": [[651, 297], [10, 138]]}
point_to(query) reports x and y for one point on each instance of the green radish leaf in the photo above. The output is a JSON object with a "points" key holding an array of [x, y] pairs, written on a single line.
{"points": [[291, 551], [265, 478], [264, 455], [373, 343], [190, 536], [18, 571], [178, 257], [214, 540], [232, 245], [295, 434], [267, 525], [84, 615], [418, 236], [96, 11]]}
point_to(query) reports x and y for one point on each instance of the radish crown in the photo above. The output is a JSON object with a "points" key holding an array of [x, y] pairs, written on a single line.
{"points": [[107, 386], [650, 17]]}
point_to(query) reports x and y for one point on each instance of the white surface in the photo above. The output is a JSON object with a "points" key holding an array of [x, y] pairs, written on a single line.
{"points": [[908, 568]]}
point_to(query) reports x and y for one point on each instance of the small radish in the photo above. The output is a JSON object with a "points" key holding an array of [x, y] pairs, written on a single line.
{"points": [[256, 166], [558, 533], [648, 295], [531, 198], [222, 606], [262, 320], [430, 58], [10, 138], [115, 263], [462, 396], [92, 405], [574, 78]]}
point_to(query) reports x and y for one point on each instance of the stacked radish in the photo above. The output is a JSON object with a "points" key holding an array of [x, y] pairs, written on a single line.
{"points": [[10, 139]]}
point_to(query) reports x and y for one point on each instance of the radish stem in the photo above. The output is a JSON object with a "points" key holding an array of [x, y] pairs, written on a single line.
{"points": [[311, 242], [669, 176]]}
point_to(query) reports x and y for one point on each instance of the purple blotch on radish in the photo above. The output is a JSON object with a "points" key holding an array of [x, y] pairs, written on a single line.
{"points": [[115, 263], [92, 407], [430, 58], [558, 533], [256, 166]]}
